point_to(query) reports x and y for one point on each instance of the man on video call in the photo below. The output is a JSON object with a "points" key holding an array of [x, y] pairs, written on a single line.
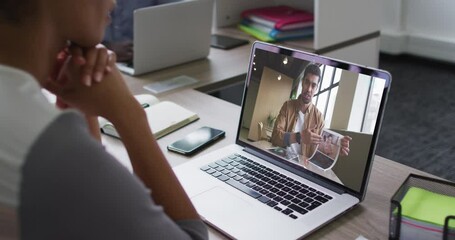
{"points": [[299, 123]]}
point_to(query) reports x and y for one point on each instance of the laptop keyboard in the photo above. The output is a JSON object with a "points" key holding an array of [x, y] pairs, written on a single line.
{"points": [[272, 188]]}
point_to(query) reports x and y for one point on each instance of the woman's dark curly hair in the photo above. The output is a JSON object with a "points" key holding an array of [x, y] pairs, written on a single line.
{"points": [[13, 10]]}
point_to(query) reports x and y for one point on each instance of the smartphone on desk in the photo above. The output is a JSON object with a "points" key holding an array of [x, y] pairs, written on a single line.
{"points": [[196, 141], [226, 42]]}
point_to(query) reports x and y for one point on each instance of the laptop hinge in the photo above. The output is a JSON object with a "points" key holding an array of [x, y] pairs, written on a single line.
{"points": [[289, 167]]}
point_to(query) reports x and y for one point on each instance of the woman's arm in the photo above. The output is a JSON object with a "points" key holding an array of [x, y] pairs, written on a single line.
{"points": [[111, 99], [151, 166]]}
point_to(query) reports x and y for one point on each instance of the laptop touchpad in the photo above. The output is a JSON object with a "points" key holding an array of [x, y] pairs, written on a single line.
{"points": [[219, 206]]}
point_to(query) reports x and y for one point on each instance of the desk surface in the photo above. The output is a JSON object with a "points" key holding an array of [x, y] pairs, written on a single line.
{"points": [[369, 219]]}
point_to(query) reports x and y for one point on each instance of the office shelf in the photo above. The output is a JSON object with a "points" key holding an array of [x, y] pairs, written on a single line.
{"points": [[347, 30]]}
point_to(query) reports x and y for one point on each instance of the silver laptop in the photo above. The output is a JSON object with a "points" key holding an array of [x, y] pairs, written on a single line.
{"points": [[170, 34], [257, 189]]}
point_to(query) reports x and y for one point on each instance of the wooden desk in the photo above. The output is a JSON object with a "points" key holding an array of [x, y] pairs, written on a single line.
{"points": [[369, 219]]}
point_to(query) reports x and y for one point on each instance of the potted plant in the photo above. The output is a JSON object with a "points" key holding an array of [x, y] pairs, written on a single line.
{"points": [[271, 120]]}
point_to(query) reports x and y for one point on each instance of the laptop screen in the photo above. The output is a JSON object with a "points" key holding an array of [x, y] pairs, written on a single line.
{"points": [[317, 115]]}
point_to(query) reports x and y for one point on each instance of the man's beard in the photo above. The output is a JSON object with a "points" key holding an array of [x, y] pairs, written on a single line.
{"points": [[304, 100]]}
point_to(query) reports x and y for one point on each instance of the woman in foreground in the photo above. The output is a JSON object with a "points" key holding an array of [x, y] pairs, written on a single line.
{"points": [[56, 179]]}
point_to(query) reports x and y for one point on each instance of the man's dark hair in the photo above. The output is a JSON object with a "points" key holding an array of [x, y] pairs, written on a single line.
{"points": [[312, 68]]}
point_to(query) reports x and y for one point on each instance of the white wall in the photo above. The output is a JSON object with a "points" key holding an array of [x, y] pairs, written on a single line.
{"points": [[267, 103], [391, 15], [419, 27], [433, 18]]}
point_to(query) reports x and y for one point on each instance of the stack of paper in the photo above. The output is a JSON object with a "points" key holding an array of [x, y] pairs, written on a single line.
{"points": [[277, 23], [423, 214]]}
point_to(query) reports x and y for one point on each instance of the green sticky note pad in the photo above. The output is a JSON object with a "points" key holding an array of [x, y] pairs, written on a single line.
{"points": [[423, 205]]}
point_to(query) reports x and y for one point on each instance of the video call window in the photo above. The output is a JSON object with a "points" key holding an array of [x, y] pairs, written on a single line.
{"points": [[348, 101]]}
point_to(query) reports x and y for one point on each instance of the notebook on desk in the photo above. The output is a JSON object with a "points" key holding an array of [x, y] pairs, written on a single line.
{"points": [[170, 34], [164, 117], [253, 189]]}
